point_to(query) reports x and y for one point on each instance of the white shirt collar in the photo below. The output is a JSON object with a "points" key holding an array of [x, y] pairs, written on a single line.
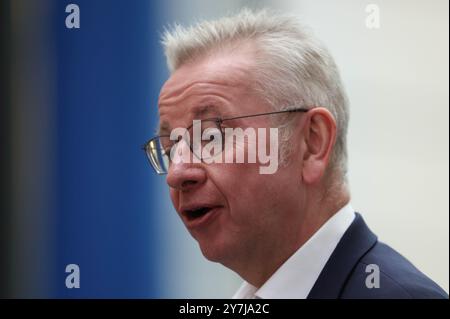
{"points": [[297, 276]]}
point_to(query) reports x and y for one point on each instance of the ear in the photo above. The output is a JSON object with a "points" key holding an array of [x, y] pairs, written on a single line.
{"points": [[319, 135]]}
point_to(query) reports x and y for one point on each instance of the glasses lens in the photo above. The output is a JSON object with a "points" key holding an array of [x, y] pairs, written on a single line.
{"points": [[211, 140], [207, 145], [157, 156]]}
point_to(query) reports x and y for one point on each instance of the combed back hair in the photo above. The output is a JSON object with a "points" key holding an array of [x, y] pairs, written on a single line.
{"points": [[291, 68]]}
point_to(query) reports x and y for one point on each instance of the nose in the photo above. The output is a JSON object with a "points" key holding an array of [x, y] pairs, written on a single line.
{"points": [[183, 175]]}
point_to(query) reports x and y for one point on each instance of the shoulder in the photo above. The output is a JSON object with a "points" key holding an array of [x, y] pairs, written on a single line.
{"points": [[384, 273]]}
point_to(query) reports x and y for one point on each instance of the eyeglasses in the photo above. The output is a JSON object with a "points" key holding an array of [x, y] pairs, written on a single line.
{"points": [[159, 147]]}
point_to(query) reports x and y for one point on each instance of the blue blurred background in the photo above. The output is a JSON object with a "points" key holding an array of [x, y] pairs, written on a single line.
{"points": [[80, 103], [77, 104]]}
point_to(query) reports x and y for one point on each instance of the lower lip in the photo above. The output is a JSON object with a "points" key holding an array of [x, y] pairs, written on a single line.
{"points": [[203, 220]]}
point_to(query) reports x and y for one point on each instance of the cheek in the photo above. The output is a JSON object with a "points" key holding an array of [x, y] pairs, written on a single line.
{"points": [[259, 198], [244, 190]]}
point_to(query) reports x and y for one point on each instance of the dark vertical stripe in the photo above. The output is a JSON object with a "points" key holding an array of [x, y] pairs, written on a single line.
{"points": [[5, 142]]}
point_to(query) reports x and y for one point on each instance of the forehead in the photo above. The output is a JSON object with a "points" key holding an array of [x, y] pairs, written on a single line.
{"points": [[211, 72], [193, 87]]}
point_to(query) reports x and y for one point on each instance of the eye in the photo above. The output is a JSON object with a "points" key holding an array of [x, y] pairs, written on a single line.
{"points": [[213, 135], [166, 151]]}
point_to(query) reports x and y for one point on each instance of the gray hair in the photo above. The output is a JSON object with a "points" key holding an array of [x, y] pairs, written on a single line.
{"points": [[291, 68]]}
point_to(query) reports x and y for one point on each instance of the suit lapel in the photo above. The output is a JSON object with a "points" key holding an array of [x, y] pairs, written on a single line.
{"points": [[357, 240]]}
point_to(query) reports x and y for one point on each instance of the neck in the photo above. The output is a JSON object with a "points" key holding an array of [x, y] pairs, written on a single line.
{"points": [[257, 266]]}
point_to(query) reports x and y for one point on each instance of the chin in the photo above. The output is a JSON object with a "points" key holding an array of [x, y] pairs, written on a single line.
{"points": [[215, 250]]}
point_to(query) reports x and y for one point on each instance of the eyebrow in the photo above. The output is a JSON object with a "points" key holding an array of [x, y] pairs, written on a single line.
{"points": [[199, 112], [163, 129], [202, 110]]}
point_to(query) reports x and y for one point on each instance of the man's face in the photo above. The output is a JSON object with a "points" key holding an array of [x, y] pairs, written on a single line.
{"points": [[232, 210]]}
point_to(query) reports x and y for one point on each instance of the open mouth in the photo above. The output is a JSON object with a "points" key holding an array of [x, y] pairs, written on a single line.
{"points": [[197, 213]]}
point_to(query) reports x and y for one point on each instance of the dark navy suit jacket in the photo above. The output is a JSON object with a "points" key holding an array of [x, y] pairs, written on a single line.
{"points": [[344, 275]]}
